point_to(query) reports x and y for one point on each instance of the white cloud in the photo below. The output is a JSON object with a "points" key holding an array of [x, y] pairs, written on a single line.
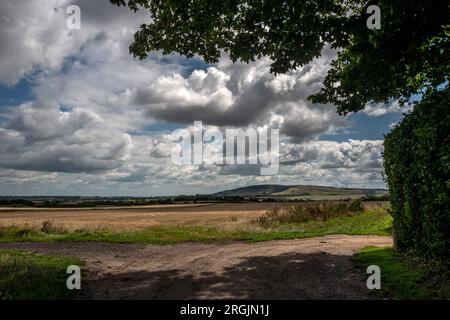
{"points": [[379, 109], [85, 130], [241, 94], [44, 138], [35, 37]]}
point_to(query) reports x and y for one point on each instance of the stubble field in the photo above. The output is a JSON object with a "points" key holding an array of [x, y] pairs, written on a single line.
{"points": [[126, 247], [135, 218]]}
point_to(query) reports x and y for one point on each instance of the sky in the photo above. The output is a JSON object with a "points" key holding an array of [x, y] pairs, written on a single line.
{"points": [[80, 116]]}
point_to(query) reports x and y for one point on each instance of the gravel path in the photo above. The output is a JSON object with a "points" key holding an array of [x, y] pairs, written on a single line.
{"points": [[314, 268]]}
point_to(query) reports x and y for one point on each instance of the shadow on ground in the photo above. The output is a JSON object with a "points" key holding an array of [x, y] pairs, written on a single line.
{"points": [[286, 276]]}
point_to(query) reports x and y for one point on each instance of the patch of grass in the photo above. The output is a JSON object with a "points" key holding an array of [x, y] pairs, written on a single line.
{"points": [[153, 235], [401, 278], [25, 275], [365, 223]]}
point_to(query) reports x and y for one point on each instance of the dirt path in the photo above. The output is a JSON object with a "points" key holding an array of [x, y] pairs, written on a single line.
{"points": [[315, 268]]}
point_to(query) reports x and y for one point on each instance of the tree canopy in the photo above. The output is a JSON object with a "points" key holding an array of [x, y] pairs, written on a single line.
{"points": [[409, 54]]}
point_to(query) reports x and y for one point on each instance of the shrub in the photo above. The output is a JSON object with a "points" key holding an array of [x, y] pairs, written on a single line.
{"points": [[46, 226], [304, 213], [417, 171], [356, 206]]}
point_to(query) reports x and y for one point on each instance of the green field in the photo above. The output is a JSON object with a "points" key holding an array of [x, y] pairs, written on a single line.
{"points": [[25, 275], [403, 278]]}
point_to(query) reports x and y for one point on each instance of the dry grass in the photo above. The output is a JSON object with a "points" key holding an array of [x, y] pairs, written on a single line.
{"points": [[227, 217], [208, 225], [304, 213], [138, 218]]}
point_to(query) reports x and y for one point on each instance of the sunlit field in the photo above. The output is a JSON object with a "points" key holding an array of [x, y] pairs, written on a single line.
{"points": [[196, 222]]}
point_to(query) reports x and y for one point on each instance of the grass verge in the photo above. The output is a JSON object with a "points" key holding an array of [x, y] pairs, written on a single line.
{"points": [[25, 276], [403, 278], [366, 223]]}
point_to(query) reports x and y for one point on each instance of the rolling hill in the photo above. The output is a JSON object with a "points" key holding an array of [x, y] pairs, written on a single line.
{"points": [[275, 190]]}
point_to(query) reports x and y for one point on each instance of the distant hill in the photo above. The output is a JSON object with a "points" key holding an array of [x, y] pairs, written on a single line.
{"points": [[276, 190]]}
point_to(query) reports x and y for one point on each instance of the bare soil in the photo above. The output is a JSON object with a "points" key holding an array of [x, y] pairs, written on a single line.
{"points": [[315, 268]]}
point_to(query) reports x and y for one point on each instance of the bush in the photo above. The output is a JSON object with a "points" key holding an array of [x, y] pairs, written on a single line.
{"points": [[305, 213], [46, 226], [356, 206], [417, 170]]}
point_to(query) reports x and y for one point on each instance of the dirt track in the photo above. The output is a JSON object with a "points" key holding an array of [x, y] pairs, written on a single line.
{"points": [[315, 268]]}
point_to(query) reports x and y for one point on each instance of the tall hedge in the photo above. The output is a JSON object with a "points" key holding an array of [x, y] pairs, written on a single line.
{"points": [[417, 169]]}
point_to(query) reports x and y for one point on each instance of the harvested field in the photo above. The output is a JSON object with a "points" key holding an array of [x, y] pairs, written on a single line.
{"points": [[203, 262], [223, 215], [133, 217]]}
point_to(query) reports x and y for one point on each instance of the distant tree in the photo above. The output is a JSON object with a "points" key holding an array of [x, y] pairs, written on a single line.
{"points": [[409, 54]]}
